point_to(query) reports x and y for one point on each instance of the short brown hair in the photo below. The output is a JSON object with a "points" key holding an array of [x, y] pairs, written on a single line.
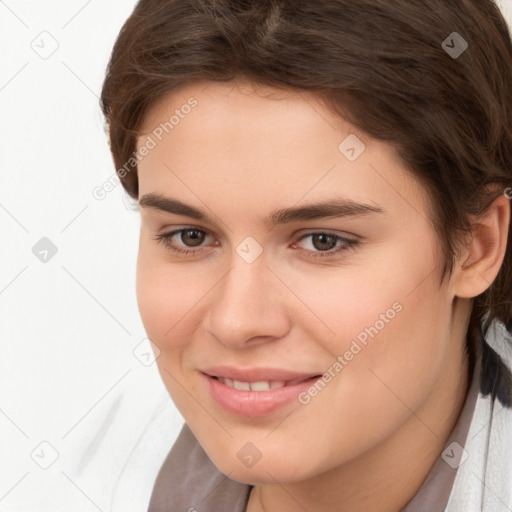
{"points": [[383, 65]]}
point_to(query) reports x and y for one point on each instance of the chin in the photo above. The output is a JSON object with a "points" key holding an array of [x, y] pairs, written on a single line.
{"points": [[267, 471]]}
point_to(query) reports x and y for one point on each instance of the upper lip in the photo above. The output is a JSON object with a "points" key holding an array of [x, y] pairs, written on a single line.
{"points": [[256, 374]]}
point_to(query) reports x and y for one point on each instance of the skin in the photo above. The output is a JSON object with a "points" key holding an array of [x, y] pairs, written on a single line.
{"points": [[369, 438]]}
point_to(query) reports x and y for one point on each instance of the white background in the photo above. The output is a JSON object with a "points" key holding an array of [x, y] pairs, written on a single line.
{"points": [[69, 325]]}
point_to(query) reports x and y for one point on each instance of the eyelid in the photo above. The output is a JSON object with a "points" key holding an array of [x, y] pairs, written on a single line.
{"points": [[327, 231], [296, 235]]}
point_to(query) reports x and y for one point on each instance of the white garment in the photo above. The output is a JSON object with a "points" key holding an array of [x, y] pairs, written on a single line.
{"points": [[484, 480], [124, 441]]}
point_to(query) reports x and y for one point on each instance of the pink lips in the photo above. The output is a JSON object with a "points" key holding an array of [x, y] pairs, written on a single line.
{"points": [[255, 403]]}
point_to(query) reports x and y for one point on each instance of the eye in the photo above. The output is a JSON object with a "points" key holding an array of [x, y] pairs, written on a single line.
{"points": [[192, 236], [323, 244]]}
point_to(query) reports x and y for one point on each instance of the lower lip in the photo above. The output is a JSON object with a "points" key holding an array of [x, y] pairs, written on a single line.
{"points": [[253, 404]]}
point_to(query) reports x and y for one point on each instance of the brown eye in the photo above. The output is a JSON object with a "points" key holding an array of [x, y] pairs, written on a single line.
{"points": [[323, 241], [192, 237], [325, 245], [184, 242]]}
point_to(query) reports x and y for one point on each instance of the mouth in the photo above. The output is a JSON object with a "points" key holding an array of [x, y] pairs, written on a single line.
{"points": [[255, 392]]}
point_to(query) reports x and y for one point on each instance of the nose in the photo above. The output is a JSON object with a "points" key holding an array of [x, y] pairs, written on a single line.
{"points": [[248, 305]]}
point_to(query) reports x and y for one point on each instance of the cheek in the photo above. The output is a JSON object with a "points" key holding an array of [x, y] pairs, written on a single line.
{"points": [[384, 365], [165, 294], [393, 350], [166, 297], [392, 320]]}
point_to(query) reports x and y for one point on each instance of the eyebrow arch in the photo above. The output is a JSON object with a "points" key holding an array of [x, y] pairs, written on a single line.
{"points": [[336, 207]]}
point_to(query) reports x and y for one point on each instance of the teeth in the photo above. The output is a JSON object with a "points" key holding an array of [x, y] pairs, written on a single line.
{"points": [[253, 386], [242, 386], [260, 386]]}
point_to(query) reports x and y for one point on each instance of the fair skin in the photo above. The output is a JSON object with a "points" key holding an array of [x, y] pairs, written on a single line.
{"points": [[367, 441]]}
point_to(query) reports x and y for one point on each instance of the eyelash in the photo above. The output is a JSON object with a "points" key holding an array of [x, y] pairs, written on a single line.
{"points": [[349, 243]]}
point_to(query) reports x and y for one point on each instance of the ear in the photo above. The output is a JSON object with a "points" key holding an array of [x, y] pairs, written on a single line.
{"points": [[481, 260]]}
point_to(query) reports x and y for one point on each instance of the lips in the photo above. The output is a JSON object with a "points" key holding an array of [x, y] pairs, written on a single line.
{"points": [[254, 392]]}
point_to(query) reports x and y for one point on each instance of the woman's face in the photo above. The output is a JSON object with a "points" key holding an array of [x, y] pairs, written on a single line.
{"points": [[274, 289]]}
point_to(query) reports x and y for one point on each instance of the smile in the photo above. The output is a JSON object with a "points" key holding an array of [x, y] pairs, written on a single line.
{"points": [[261, 396]]}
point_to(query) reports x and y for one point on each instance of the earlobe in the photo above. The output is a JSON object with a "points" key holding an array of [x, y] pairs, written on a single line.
{"points": [[479, 265]]}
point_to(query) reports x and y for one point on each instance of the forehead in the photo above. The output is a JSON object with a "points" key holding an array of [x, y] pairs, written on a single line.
{"points": [[260, 145]]}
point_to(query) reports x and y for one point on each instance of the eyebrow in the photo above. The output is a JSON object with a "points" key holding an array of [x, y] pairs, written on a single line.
{"points": [[336, 207]]}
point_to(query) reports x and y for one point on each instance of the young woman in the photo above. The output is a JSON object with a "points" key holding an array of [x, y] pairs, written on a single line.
{"points": [[325, 259]]}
